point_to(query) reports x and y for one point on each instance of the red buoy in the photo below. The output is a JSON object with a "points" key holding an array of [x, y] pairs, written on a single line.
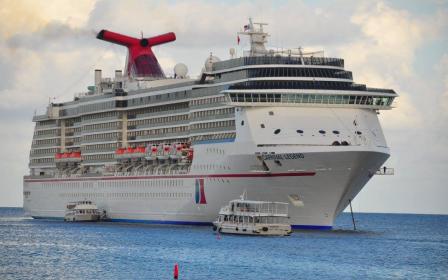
{"points": [[176, 271]]}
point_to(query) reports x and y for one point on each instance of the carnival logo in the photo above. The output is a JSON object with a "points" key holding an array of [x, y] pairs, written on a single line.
{"points": [[200, 192]]}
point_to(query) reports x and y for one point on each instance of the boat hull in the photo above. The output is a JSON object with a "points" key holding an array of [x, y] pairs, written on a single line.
{"points": [[252, 229], [324, 179]]}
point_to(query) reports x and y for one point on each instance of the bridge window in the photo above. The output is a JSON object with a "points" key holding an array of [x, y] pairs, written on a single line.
{"points": [[312, 98]]}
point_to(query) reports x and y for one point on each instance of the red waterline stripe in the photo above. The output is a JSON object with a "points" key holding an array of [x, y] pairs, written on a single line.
{"points": [[233, 175]]}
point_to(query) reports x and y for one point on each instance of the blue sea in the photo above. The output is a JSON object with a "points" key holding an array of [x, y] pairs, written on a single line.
{"points": [[385, 246]]}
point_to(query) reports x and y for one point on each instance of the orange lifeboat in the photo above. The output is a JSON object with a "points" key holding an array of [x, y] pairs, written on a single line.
{"points": [[120, 151], [190, 154], [140, 149], [76, 154], [154, 149]]}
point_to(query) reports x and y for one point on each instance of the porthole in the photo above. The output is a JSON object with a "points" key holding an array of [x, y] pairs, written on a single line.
{"points": [[336, 143], [336, 132], [271, 113], [358, 132], [277, 131], [262, 125], [242, 122], [299, 131], [322, 131]]}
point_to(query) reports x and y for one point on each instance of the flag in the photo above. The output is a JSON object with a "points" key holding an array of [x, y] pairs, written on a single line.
{"points": [[238, 39]]}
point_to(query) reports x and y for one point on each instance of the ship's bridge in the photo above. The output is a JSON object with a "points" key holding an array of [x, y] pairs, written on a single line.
{"points": [[290, 78]]}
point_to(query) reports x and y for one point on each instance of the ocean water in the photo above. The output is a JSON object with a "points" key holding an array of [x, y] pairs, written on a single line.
{"points": [[385, 246]]}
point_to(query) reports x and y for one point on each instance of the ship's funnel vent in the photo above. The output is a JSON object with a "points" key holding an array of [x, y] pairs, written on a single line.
{"points": [[141, 60]]}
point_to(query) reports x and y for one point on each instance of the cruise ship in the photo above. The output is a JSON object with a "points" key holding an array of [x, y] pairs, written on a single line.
{"points": [[278, 125]]}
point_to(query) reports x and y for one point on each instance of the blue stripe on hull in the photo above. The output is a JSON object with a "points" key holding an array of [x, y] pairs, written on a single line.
{"points": [[311, 227], [185, 223]]}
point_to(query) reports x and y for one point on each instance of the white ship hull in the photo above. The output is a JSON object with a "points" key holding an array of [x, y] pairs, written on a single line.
{"points": [[325, 177], [173, 199]]}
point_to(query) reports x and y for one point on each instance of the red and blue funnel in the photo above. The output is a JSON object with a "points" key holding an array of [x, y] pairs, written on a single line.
{"points": [[141, 60]]}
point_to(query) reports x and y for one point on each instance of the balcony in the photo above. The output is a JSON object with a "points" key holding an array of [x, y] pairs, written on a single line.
{"points": [[259, 60]]}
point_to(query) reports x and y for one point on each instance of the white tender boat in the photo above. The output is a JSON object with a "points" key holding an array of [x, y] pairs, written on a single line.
{"points": [[251, 217], [82, 211]]}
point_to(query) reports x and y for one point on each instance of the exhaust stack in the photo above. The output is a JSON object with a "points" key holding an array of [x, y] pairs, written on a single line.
{"points": [[141, 61]]}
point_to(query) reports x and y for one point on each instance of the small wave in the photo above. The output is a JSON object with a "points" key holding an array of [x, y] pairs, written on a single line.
{"points": [[15, 219]]}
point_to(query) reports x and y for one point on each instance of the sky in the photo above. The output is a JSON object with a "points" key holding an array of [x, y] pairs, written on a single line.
{"points": [[48, 51]]}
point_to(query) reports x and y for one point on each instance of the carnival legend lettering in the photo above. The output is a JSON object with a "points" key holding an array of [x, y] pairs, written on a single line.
{"points": [[283, 156]]}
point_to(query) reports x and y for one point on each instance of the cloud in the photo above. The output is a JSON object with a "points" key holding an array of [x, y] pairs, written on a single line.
{"points": [[384, 56], [442, 69], [26, 16], [53, 36]]}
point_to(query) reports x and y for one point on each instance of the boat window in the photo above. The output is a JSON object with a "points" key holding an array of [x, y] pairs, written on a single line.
{"points": [[299, 131], [336, 132], [277, 131]]}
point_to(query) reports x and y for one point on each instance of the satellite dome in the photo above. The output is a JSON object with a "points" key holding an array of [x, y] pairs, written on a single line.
{"points": [[209, 62], [180, 70]]}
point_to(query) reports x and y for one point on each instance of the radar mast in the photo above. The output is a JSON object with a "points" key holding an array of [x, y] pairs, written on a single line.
{"points": [[257, 37]]}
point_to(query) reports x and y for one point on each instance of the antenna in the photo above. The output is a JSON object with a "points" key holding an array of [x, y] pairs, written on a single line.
{"points": [[257, 38], [243, 196]]}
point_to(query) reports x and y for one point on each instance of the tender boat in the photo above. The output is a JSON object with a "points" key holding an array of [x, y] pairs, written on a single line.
{"points": [[250, 217], [83, 211]]}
